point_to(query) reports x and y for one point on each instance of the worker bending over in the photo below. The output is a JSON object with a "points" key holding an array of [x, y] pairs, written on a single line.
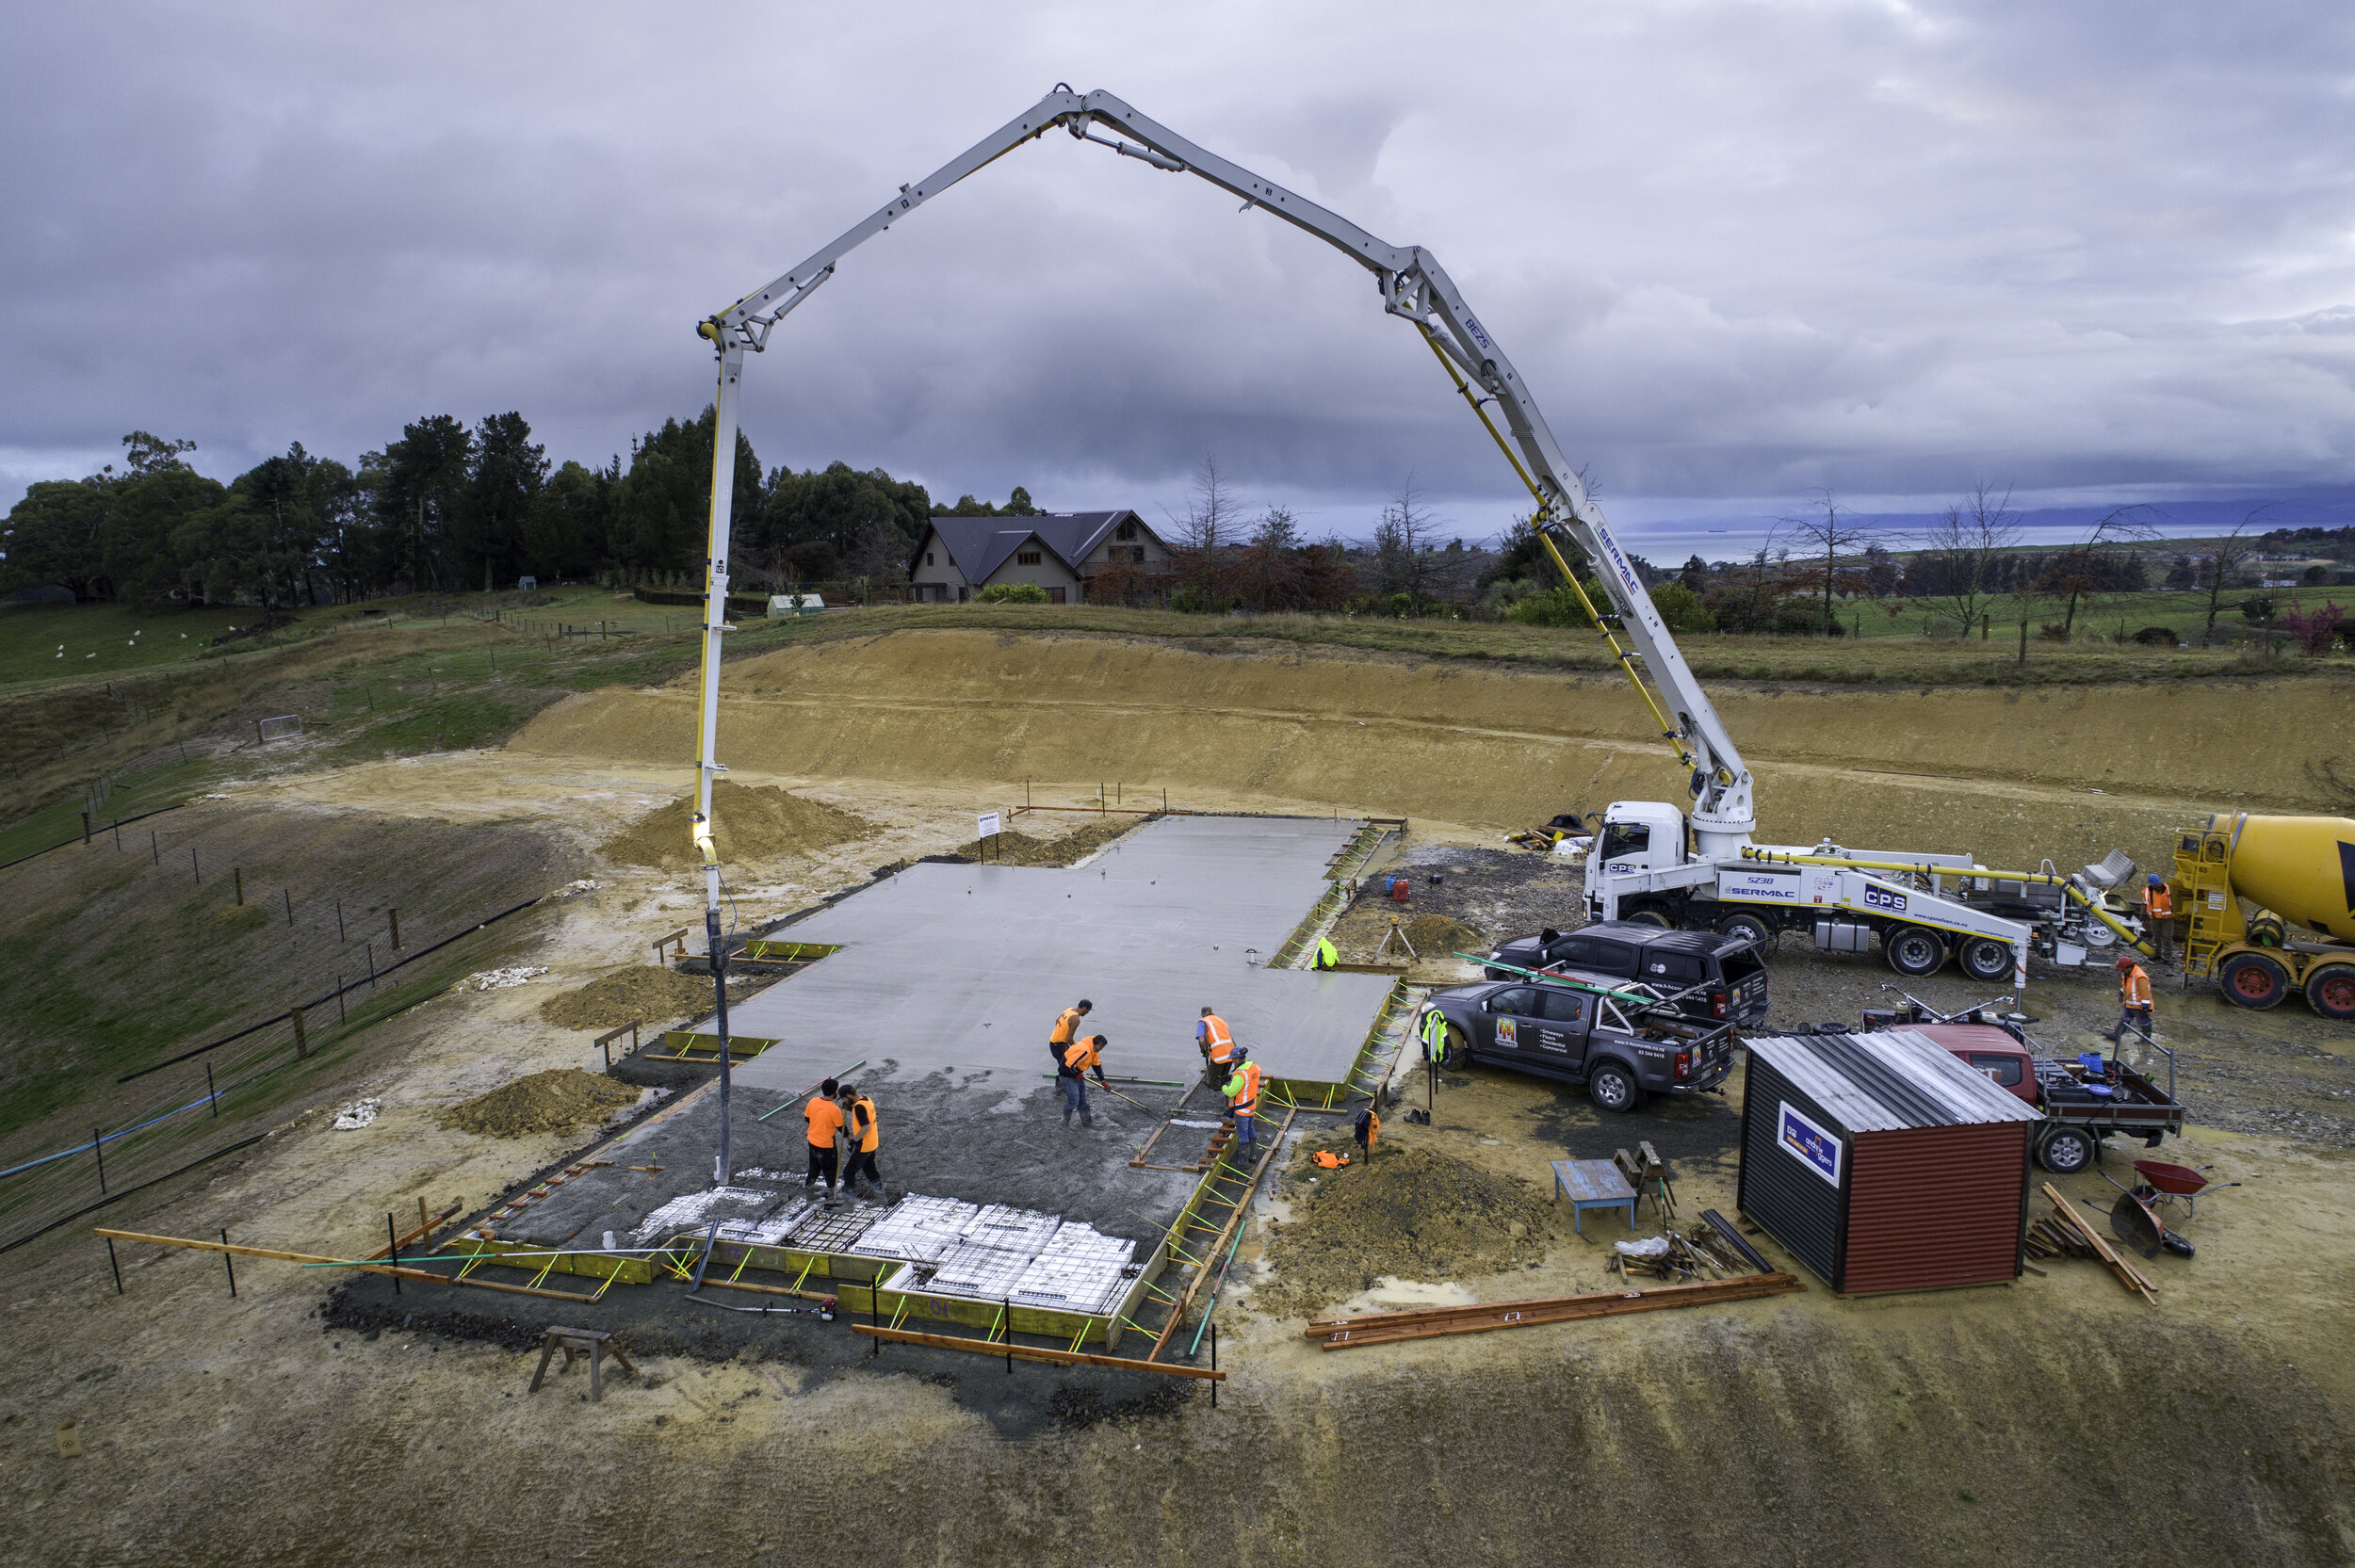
{"points": [[1081, 1058], [1243, 1098], [865, 1136], [2158, 918], [825, 1117], [1066, 1030], [1329, 957], [2134, 1000], [1216, 1043]]}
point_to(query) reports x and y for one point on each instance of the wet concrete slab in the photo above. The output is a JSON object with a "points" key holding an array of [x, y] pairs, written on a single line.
{"points": [[948, 980]]}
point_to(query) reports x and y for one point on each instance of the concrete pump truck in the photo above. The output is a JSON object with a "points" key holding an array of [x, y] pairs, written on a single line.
{"points": [[1692, 863]]}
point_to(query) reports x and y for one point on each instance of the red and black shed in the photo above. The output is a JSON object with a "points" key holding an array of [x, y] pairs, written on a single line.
{"points": [[1883, 1162]]}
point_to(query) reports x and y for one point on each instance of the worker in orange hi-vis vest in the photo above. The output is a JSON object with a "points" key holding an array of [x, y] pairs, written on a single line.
{"points": [[2134, 999], [2158, 918], [1216, 1043], [1066, 1030]]}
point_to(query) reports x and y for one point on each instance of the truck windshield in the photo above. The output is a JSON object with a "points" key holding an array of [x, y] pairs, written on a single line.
{"points": [[1625, 838]]}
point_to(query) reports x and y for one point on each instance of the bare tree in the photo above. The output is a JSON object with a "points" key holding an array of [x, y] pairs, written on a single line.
{"points": [[1268, 564], [2103, 563], [1963, 555], [1827, 536], [878, 554], [1403, 560], [2224, 559], [1207, 527]]}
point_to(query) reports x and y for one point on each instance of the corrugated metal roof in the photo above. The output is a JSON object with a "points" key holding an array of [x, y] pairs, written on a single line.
{"points": [[1888, 1081]]}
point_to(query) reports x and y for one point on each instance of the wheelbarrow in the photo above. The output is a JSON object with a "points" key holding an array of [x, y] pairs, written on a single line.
{"points": [[2171, 1181]]}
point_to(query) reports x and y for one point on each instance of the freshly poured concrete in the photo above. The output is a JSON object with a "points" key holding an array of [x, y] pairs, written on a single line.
{"points": [[958, 967], [948, 980]]}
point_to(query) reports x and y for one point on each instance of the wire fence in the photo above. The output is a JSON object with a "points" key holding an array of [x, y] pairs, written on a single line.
{"points": [[209, 1099]]}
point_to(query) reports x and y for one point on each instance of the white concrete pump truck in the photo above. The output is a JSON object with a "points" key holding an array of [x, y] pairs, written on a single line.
{"points": [[1694, 865]]}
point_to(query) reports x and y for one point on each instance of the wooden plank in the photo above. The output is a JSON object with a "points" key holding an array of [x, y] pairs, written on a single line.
{"points": [[2127, 1274], [1458, 1320], [711, 1283], [1029, 1352], [1318, 1327]]}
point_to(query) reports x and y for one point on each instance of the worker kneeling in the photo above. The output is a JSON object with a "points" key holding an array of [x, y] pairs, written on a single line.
{"points": [[1243, 1098], [1081, 1058]]}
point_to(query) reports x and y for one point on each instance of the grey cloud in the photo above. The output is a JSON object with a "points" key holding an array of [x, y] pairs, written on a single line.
{"points": [[1737, 250]]}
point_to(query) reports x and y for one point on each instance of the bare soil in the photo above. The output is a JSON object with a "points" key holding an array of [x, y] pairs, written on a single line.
{"points": [[560, 1100], [748, 822], [2057, 1419], [646, 993]]}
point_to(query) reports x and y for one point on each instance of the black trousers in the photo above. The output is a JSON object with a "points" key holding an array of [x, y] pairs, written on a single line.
{"points": [[862, 1166], [820, 1165]]}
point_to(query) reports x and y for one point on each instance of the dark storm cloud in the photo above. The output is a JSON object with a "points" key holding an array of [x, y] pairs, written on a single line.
{"points": [[1737, 250]]}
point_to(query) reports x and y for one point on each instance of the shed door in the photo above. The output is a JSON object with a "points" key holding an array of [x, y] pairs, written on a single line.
{"points": [[1935, 1206]]}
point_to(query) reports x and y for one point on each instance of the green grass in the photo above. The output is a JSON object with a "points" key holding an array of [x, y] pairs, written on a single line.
{"points": [[66, 641]]}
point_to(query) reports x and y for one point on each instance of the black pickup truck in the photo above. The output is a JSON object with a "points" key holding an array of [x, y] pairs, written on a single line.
{"points": [[1620, 1048], [1712, 976]]}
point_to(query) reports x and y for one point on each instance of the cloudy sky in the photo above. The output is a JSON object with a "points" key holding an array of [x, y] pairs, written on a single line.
{"points": [[2096, 250]]}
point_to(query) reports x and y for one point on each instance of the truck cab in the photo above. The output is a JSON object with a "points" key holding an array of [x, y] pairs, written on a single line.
{"points": [[1636, 835]]}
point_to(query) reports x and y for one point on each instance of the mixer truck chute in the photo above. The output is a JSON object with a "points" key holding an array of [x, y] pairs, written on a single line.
{"points": [[2241, 880]]}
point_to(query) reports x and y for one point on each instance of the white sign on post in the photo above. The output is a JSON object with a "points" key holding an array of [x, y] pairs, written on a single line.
{"points": [[989, 824]]}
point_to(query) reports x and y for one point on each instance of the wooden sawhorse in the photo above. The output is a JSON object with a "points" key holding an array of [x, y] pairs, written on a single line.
{"points": [[593, 1343]]}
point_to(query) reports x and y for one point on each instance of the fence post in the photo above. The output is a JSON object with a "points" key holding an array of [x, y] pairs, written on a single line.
{"points": [[229, 1262], [96, 1148], [393, 1252], [86, 830], [303, 1040], [155, 846], [341, 1016], [395, 915], [339, 921], [238, 872], [193, 869], [212, 1095], [289, 895], [372, 966]]}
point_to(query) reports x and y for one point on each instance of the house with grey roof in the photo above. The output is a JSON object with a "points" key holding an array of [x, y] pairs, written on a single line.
{"points": [[1061, 552]]}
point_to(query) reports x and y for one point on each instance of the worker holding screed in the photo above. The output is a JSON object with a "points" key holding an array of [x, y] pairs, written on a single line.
{"points": [[1066, 1031], [825, 1117], [1242, 1099], [1216, 1043], [1080, 1058]]}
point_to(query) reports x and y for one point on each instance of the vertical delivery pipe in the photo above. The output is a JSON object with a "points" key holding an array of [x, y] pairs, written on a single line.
{"points": [[708, 753]]}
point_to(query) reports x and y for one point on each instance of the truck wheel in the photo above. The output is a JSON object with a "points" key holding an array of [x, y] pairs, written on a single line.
{"points": [[1746, 927], [2331, 990], [1649, 917], [1614, 1088], [2253, 981], [2065, 1151], [1457, 1052], [1986, 960], [1916, 951]]}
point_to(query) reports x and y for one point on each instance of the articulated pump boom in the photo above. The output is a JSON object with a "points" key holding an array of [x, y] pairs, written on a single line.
{"points": [[1693, 863]]}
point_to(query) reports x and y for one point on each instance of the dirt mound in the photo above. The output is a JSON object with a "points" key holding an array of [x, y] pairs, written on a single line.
{"points": [[1408, 1213], [644, 994], [555, 1101], [1009, 848], [750, 822], [1436, 936]]}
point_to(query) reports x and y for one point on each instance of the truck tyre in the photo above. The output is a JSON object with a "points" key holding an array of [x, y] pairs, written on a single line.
{"points": [[1457, 1052], [2331, 990], [1916, 951], [2253, 980], [2064, 1150], [1613, 1087], [1649, 918], [1986, 960], [1746, 927]]}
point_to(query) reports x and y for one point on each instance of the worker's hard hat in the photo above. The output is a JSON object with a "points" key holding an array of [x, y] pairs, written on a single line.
{"points": [[2125, 961], [2156, 881]]}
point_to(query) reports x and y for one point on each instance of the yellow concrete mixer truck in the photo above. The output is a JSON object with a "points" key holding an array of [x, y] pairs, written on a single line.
{"points": [[2288, 870]]}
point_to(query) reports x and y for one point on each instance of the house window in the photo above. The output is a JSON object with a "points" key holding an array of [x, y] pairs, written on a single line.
{"points": [[1025, 557], [928, 557], [1126, 530], [1054, 596]]}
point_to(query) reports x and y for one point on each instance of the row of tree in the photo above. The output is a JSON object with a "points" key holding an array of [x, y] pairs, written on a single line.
{"points": [[450, 506]]}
